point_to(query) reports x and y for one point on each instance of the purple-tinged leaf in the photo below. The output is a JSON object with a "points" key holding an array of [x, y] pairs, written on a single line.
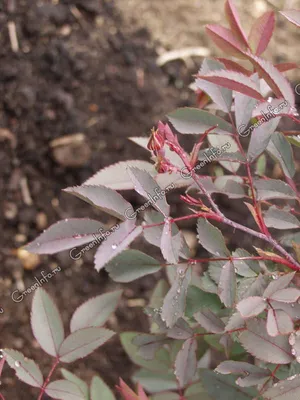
{"points": [[244, 106], [279, 219], [79, 382], [261, 345], [175, 301], [226, 40], [273, 189], [211, 238], [260, 138], [131, 265], [221, 96], [117, 242], [186, 362], [292, 15], [65, 234], [147, 187], [171, 245], [181, 330], [294, 341], [251, 375], [148, 344], [251, 306], [292, 309], [287, 240], [46, 323], [95, 311], [83, 342], [234, 22], [234, 81], [64, 390], [230, 185], [26, 370], [104, 198], [288, 389], [100, 390], [287, 66], [278, 284], [271, 108], [279, 323], [234, 66], [236, 321], [290, 295], [116, 177], [280, 148], [194, 121], [153, 235], [227, 285], [209, 321], [277, 82], [261, 32]]}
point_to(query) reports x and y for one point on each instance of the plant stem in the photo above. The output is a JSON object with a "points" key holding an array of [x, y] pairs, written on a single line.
{"points": [[56, 362]]}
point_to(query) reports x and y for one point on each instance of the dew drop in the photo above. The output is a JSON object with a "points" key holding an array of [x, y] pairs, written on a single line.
{"points": [[66, 220], [292, 339], [17, 364], [178, 290], [298, 359], [293, 305], [114, 246], [38, 244], [298, 333], [293, 352], [77, 237], [281, 387]]}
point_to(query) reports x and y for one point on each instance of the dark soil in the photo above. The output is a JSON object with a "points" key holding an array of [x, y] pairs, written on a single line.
{"points": [[79, 69]]}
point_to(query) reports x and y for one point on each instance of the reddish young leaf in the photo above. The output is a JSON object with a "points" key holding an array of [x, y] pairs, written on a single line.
{"points": [[261, 32], [283, 67], [234, 81], [126, 392], [226, 40], [277, 82], [234, 22], [292, 15], [234, 66]]}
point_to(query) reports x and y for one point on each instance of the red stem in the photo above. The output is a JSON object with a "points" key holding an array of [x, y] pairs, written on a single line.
{"points": [[56, 362]]}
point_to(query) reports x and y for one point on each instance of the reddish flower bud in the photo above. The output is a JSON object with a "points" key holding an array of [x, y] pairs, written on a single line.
{"points": [[156, 141]]}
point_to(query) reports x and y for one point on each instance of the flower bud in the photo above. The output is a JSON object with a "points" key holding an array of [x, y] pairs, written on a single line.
{"points": [[156, 141]]}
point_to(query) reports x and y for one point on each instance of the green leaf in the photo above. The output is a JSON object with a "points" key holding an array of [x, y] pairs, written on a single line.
{"points": [[83, 342], [223, 387], [197, 300], [261, 165], [79, 382], [46, 323], [193, 120], [64, 390], [95, 311], [155, 382], [211, 238], [245, 268], [279, 219], [131, 265], [175, 301], [100, 390], [26, 370], [161, 362], [218, 141], [281, 150]]}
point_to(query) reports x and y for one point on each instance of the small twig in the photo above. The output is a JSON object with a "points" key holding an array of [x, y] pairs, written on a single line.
{"points": [[25, 191], [56, 362], [12, 31], [182, 54]]}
